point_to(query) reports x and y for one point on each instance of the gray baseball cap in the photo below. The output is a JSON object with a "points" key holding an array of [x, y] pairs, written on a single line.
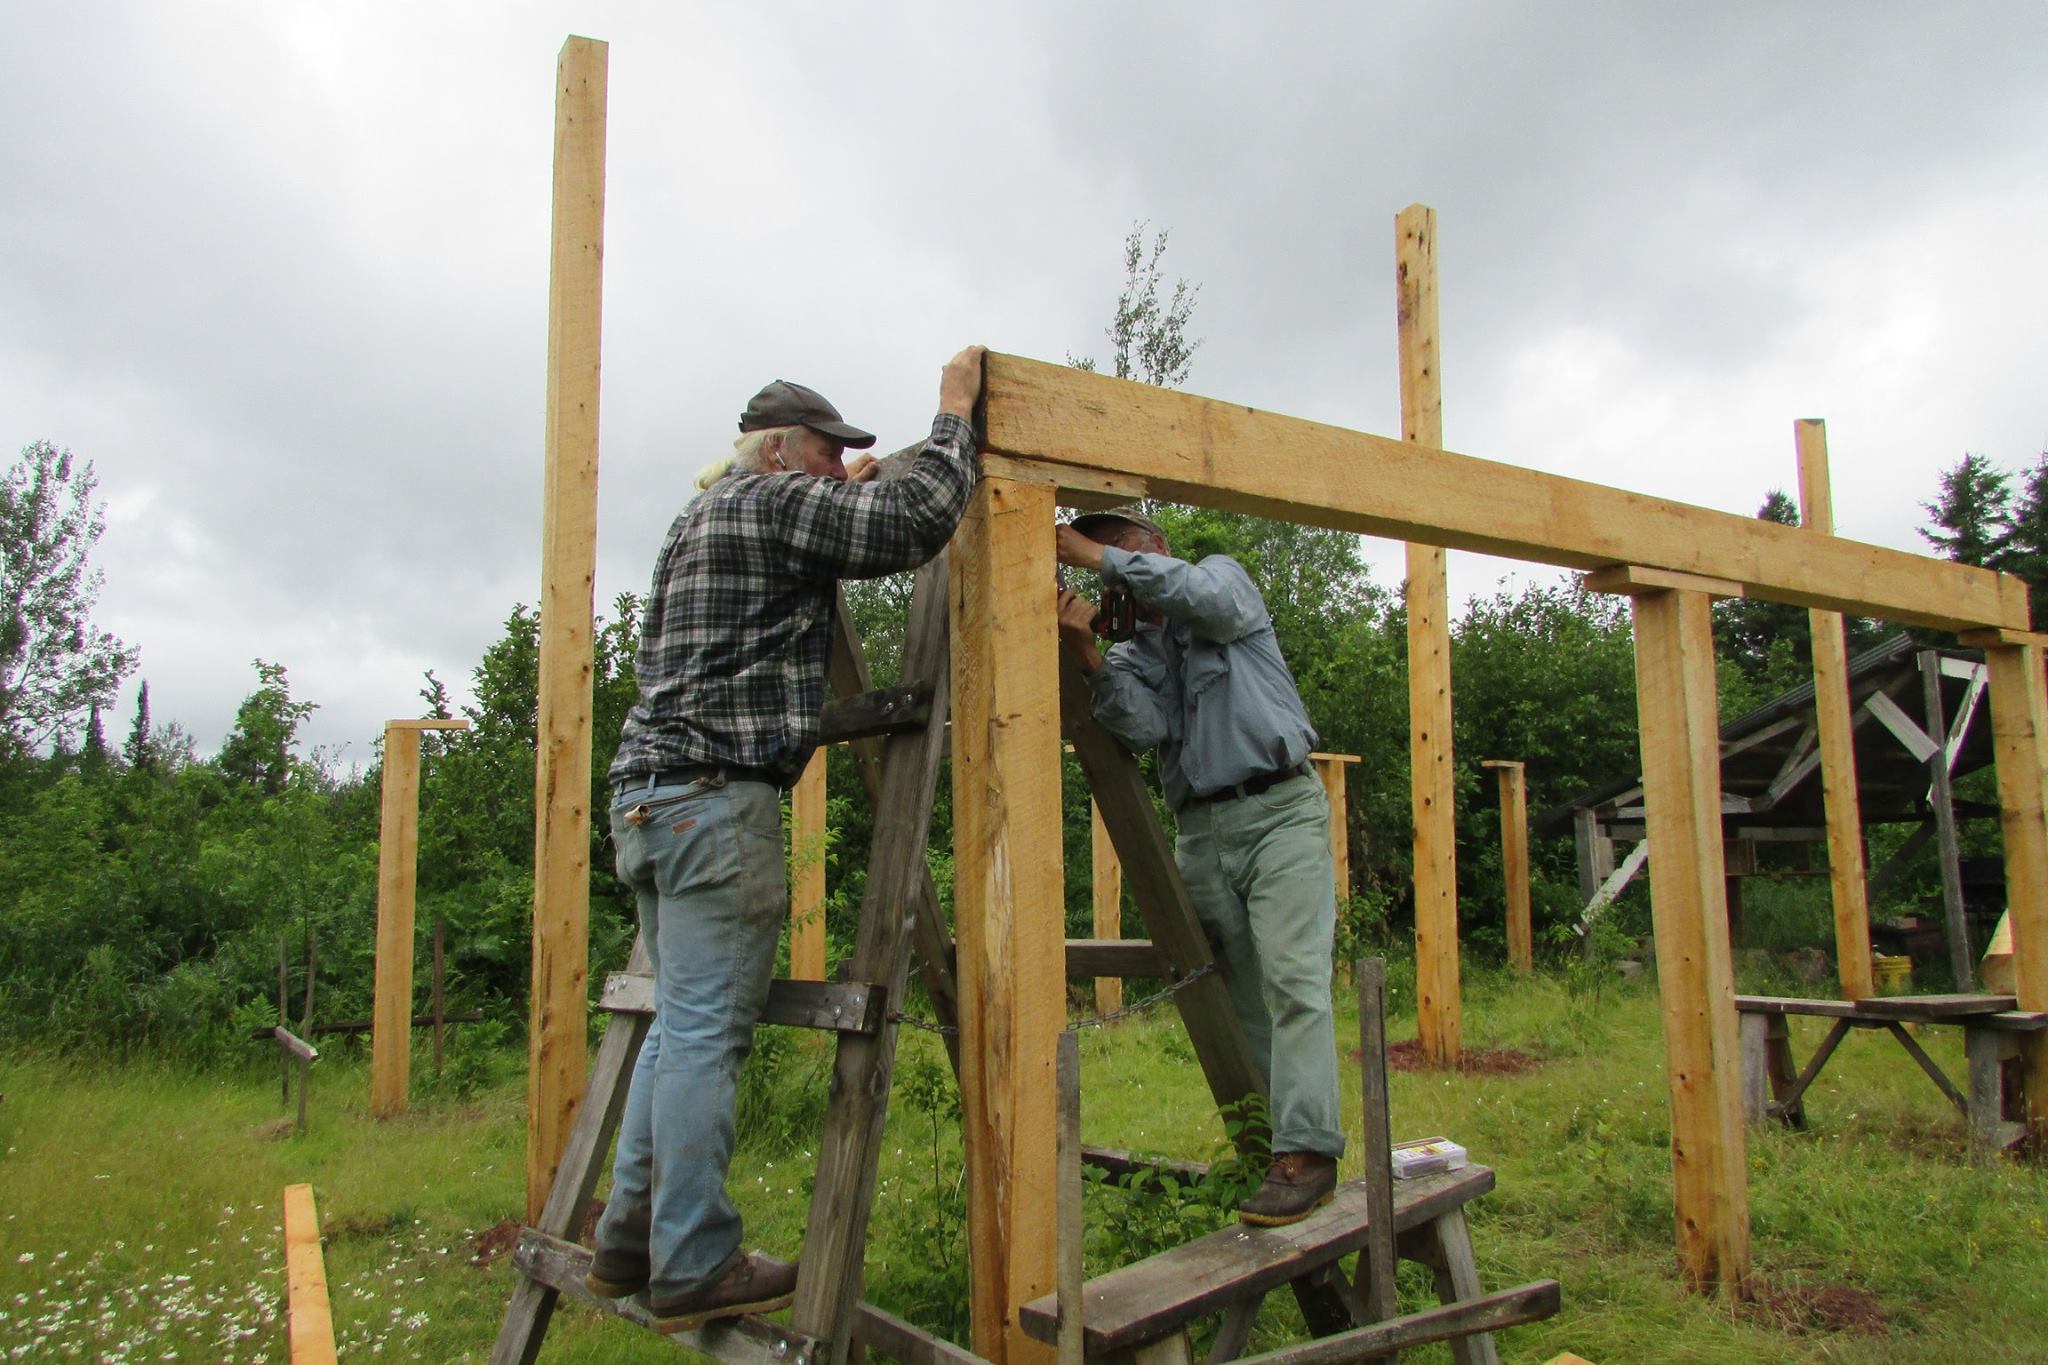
{"points": [[1089, 523], [783, 404]]}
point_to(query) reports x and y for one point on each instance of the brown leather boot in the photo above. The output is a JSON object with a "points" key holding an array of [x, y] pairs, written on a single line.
{"points": [[1296, 1184], [755, 1284]]}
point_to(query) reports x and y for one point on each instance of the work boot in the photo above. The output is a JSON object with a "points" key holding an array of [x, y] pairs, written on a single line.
{"points": [[616, 1274], [754, 1284], [1295, 1184]]}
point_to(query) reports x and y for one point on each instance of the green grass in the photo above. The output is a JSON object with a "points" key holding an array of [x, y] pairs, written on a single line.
{"points": [[139, 1205]]}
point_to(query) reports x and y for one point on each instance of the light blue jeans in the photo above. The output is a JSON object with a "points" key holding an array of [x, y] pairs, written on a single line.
{"points": [[1259, 873], [706, 867]]}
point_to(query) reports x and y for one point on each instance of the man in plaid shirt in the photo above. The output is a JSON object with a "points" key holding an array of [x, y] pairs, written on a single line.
{"points": [[731, 669]]}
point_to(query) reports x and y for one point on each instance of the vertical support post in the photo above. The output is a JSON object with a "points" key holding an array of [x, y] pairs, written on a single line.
{"points": [[1376, 1258], [1595, 851], [1007, 889], [1674, 642], [1072, 1224], [397, 854], [1330, 767], [1837, 738], [1948, 841], [2019, 739], [1514, 859], [558, 1009], [1107, 888], [807, 872], [1431, 793]]}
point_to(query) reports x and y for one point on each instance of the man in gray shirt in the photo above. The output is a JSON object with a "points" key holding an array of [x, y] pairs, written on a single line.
{"points": [[1202, 679]]}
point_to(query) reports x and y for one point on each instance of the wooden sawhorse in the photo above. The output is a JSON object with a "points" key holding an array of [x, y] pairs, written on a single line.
{"points": [[1995, 1106]]}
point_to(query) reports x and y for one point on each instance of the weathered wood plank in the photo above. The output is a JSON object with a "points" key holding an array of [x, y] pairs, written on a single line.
{"points": [[557, 1039], [1432, 795], [561, 1266], [881, 1330], [829, 1278], [1143, 1172], [844, 1006], [1114, 960], [398, 841], [1837, 736], [1457, 1282], [1008, 867], [1933, 1008], [311, 1326], [1085, 431], [1141, 1302], [1509, 1308], [1949, 849], [876, 712], [1072, 1223], [1376, 1257], [1674, 647]]}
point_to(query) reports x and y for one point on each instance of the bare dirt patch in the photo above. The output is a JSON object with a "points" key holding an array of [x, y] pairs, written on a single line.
{"points": [[495, 1241], [1807, 1309], [1473, 1061]]}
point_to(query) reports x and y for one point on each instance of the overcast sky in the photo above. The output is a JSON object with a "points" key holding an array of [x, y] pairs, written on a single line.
{"points": [[280, 269]]}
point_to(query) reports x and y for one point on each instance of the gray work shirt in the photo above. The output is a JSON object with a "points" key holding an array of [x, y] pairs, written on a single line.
{"points": [[1209, 687]]}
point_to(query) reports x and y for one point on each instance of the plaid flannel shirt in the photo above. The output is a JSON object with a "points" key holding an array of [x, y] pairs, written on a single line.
{"points": [[731, 664]]}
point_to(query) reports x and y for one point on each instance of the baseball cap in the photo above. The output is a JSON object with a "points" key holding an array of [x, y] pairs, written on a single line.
{"points": [[1089, 523], [783, 404]]}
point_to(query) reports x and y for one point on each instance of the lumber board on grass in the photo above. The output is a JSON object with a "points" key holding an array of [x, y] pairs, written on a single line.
{"points": [[1531, 1302], [311, 1326], [1674, 648], [1008, 867], [398, 840], [843, 1006], [1088, 432], [1837, 735], [1149, 1298], [1432, 787], [558, 1004], [842, 1199], [561, 1266]]}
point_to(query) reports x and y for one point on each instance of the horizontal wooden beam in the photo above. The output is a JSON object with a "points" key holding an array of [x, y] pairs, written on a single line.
{"points": [[845, 1007], [1633, 580], [1088, 433], [428, 724], [1992, 636], [1118, 957]]}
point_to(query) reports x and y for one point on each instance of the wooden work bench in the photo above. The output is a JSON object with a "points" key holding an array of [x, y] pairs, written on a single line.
{"points": [[1994, 1105]]}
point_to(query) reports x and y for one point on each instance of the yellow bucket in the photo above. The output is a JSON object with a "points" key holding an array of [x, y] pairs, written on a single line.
{"points": [[1894, 975]]}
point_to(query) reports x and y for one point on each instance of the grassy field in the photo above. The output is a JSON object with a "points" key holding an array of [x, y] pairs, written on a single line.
{"points": [[139, 1207]]}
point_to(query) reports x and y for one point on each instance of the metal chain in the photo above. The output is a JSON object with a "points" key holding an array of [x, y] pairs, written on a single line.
{"points": [[1093, 1021]]}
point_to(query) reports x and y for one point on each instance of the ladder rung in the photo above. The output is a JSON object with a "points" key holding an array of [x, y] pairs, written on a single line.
{"points": [[561, 1266], [848, 1007], [884, 711]]}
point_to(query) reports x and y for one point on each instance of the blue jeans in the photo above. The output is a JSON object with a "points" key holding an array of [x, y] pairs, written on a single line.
{"points": [[707, 871], [1259, 873]]}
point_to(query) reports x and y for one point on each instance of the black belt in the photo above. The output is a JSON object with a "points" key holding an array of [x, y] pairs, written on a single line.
{"points": [[1251, 786], [711, 774]]}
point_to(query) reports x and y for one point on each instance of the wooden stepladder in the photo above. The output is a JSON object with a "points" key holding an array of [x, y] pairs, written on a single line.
{"points": [[900, 908]]}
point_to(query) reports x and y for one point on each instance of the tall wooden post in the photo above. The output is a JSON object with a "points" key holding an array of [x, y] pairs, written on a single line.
{"points": [[557, 1038], [1330, 767], [1431, 793], [1008, 890], [1107, 889], [1681, 750], [1514, 859], [1837, 738], [2019, 737], [807, 872], [398, 846]]}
